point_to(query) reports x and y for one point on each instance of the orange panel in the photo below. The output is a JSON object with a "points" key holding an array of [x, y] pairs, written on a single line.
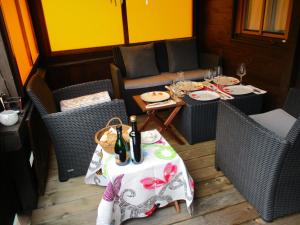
{"points": [[159, 19], [17, 41], [76, 24], [26, 18]]}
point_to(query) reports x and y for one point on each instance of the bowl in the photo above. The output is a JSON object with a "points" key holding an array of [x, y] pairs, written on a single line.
{"points": [[9, 117]]}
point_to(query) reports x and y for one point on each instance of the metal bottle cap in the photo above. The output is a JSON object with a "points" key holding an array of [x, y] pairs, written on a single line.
{"points": [[133, 118]]}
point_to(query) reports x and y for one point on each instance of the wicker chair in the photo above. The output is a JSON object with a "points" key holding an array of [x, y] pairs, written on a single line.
{"points": [[72, 132], [262, 165]]}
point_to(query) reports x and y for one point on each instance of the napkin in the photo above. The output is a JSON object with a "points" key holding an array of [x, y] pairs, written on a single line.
{"points": [[159, 104], [223, 95], [104, 137], [256, 90]]}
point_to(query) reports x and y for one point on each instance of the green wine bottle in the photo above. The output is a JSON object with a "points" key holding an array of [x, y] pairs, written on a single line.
{"points": [[121, 149]]}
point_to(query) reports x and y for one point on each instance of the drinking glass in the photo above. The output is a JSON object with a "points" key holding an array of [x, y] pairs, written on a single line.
{"points": [[241, 71], [219, 70], [208, 77], [13, 103], [180, 76]]}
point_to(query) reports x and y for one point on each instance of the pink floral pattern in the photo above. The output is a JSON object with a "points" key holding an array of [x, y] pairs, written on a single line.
{"points": [[150, 183], [112, 189]]}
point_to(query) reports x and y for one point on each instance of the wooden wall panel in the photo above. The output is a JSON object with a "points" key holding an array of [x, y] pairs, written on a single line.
{"points": [[269, 63], [75, 72]]}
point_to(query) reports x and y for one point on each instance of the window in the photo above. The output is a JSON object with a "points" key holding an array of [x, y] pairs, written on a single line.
{"points": [[270, 18], [80, 24], [21, 36]]}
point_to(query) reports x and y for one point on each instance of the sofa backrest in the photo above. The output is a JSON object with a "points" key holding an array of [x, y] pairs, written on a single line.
{"points": [[160, 54]]}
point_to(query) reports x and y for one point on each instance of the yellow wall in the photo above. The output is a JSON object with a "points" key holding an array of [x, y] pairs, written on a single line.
{"points": [[76, 24], [159, 20], [20, 43]]}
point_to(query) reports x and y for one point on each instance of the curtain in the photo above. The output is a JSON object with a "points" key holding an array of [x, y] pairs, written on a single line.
{"points": [[276, 13], [253, 14]]}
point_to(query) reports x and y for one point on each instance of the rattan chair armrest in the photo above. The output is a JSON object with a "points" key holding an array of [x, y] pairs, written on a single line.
{"points": [[292, 103], [87, 88], [117, 80]]}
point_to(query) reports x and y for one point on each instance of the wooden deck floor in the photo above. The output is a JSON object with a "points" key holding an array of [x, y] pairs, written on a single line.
{"points": [[216, 202]]}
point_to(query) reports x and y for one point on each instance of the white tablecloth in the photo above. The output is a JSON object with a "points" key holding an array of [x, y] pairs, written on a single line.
{"points": [[133, 190]]}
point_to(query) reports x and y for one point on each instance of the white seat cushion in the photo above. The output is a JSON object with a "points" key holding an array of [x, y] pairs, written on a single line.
{"points": [[278, 121], [85, 100]]}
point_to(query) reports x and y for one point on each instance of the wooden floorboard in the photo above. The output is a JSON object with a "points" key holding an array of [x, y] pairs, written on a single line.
{"points": [[216, 202]]}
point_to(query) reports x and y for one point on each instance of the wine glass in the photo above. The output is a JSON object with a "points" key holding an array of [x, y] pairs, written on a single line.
{"points": [[219, 70], [208, 77], [180, 76], [241, 71]]}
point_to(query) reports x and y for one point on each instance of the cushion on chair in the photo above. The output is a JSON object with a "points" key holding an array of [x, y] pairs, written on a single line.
{"points": [[139, 60], [182, 55], [150, 81], [278, 121], [85, 100]]}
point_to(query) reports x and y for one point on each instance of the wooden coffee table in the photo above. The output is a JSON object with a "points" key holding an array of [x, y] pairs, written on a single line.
{"points": [[164, 125]]}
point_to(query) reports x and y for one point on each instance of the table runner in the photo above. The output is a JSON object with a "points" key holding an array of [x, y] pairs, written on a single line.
{"points": [[133, 190]]}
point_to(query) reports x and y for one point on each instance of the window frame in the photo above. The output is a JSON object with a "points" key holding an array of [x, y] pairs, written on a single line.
{"points": [[240, 12]]}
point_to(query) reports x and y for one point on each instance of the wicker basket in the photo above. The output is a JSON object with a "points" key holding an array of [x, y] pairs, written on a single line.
{"points": [[109, 147]]}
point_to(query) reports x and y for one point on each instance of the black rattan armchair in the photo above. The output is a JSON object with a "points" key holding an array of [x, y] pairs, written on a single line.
{"points": [[72, 132], [263, 165]]}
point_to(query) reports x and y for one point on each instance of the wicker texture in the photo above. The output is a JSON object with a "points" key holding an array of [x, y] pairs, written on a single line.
{"points": [[263, 166], [197, 120], [72, 132]]}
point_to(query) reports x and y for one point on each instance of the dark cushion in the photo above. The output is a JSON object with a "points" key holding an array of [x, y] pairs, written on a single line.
{"points": [[182, 55], [161, 56], [139, 60]]}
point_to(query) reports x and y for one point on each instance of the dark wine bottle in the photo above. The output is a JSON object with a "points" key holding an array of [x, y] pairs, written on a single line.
{"points": [[135, 142], [121, 149]]}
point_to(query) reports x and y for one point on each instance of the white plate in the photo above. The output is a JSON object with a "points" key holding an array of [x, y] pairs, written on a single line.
{"points": [[238, 90], [155, 96], [150, 137], [226, 81], [204, 95]]}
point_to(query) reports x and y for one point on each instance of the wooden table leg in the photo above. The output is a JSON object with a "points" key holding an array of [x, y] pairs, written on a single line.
{"points": [[150, 115], [177, 206], [168, 122]]}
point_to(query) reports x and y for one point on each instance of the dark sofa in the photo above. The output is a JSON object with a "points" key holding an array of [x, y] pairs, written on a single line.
{"points": [[171, 56]]}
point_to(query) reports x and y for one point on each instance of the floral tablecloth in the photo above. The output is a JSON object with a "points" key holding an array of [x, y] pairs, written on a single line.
{"points": [[133, 190]]}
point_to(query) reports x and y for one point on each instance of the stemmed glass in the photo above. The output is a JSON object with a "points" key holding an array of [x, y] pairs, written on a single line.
{"points": [[241, 71], [175, 86], [209, 76]]}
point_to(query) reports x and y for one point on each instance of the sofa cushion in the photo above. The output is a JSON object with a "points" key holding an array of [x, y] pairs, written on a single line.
{"points": [[139, 60], [189, 75], [149, 81], [278, 121], [182, 55], [161, 56]]}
